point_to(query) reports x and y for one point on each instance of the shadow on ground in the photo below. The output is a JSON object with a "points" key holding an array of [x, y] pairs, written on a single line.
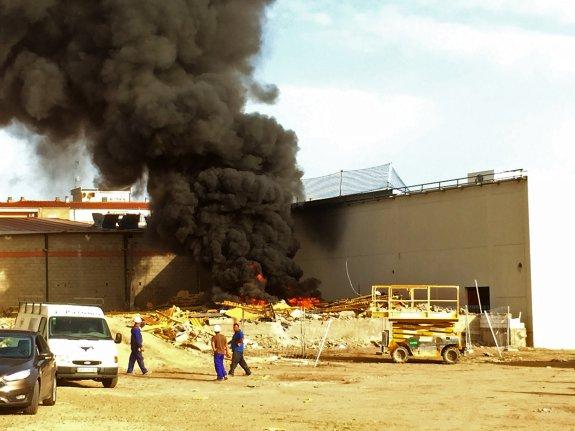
{"points": [[538, 364]]}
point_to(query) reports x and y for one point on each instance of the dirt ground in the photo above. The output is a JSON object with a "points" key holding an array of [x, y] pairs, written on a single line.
{"points": [[349, 390], [532, 390]]}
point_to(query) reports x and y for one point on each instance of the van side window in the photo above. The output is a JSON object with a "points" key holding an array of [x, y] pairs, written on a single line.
{"points": [[42, 327], [33, 325]]}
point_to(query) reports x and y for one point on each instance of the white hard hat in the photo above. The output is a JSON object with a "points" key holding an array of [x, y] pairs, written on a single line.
{"points": [[137, 319], [217, 328]]}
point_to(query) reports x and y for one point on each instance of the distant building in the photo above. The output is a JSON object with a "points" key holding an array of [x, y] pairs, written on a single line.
{"points": [[84, 203], [80, 194]]}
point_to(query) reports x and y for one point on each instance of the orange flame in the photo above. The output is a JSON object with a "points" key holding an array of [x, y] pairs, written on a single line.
{"points": [[304, 302], [258, 302]]}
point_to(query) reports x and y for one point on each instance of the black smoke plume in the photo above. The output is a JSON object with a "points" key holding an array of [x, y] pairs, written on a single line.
{"points": [[157, 88]]}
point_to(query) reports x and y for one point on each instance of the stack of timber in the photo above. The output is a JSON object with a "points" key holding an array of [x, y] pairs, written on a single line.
{"points": [[359, 305]]}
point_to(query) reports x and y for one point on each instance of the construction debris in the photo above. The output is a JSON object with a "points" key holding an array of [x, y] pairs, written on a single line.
{"points": [[294, 325]]}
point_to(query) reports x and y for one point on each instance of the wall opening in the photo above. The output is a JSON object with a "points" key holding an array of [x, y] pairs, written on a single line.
{"points": [[473, 302]]}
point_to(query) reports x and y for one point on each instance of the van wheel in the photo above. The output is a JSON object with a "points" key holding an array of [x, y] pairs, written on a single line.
{"points": [[110, 383], [450, 355], [52, 400], [33, 407], [400, 355]]}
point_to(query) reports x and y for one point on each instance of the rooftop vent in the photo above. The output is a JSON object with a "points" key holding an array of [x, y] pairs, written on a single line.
{"points": [[129, 221], [98, 219], [481, 177], [110, 221]]}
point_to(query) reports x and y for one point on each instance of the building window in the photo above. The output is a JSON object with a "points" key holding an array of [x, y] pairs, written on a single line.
{"points": [[473, 302]]}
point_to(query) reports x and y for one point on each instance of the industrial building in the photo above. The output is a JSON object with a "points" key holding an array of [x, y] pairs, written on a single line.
{"points": [[447, 232], [355, 229]]}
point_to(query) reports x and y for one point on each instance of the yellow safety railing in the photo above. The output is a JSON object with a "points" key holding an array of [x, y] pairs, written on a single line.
{"points": [[415, 301]]}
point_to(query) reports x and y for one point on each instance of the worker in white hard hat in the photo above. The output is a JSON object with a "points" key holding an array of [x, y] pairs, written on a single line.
{"points": [[136, 343], [220, 349]]}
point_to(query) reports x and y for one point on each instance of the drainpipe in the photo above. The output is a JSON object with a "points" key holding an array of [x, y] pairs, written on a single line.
{"points": [[127, 290], [47, 293]]}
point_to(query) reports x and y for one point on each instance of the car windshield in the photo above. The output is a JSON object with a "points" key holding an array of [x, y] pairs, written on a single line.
{"points": [[75, 328], [15, 346]]}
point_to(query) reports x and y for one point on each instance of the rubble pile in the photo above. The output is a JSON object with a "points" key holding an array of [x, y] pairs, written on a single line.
{"points": [[272, 327], [183, 328]]}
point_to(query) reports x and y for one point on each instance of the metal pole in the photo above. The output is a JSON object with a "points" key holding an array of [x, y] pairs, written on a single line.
{"points": [[302, 333], [478, 297], [322, 342], [493, 333], [468, 345], [340, 181]]}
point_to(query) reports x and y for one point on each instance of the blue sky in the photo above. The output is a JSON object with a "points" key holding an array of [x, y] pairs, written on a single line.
{"points": [[438, 88]]}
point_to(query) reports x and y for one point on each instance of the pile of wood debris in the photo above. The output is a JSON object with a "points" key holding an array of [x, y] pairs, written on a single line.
{"points": [[183, 328], [190, 327]]}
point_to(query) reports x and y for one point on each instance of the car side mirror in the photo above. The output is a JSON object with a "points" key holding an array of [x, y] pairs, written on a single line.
{"points": [[46, 356], [118, 339]]}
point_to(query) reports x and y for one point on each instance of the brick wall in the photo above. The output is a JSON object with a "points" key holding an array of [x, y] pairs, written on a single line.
{"points": [[156, 275], [92, 268], [22, 268], [87, 268]]}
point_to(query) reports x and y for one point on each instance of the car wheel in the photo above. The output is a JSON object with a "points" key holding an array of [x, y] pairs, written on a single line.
{"points": [[52, 400], [33, 407], [400, 355], [110, 383]]}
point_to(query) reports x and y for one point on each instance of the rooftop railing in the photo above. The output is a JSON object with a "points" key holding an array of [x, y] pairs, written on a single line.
{"points": [[469, 181]]}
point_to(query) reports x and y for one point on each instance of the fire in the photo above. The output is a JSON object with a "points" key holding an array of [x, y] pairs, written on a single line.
{"points": [[258, 302], [260, 277], [304, 302]]}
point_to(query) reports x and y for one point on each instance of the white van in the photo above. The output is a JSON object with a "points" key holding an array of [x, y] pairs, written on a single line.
{"points": [[79, 338]]}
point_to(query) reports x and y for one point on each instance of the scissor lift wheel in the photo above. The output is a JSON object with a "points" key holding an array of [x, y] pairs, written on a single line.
{"points": [[400, 355], [450, 355]]}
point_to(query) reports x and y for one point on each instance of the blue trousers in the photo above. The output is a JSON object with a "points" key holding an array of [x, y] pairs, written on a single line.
{"points": [[219, 364], [136, 356]]}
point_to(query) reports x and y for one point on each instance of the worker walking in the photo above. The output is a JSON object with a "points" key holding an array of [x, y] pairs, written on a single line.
{"points": [[237, 344], [220, 349], [136, 344]]}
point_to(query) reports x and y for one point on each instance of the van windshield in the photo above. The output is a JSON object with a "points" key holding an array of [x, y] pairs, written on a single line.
{"points": [[76, 328]]}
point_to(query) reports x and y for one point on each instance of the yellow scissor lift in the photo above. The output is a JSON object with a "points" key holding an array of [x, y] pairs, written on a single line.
{"points": [[419, 321]]}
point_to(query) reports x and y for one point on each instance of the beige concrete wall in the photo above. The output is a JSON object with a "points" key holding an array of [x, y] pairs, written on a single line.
{"points": [[55, 212], [442, 237]]}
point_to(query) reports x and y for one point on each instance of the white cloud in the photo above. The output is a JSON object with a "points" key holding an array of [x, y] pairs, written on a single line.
{"points": [[562, 11], [306, 11], [510, 47], [562, 146], [349, 128]]}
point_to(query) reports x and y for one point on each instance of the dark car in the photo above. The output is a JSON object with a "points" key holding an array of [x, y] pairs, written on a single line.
{"points": [[27, 371]]}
